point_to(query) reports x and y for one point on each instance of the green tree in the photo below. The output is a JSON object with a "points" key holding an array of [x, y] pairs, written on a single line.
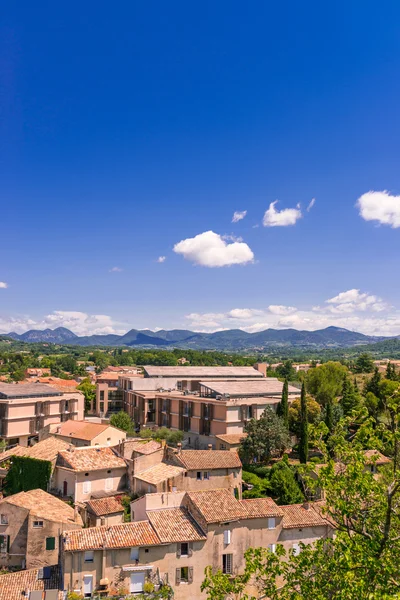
{"points": [[303, 435], [266, 437], [286, 371], [373, 384], [283, 486], [350, 399], [328, 419], [122, 420], [89, 391], [364, 363], [283, 406], [325, 382], [313, 413]]}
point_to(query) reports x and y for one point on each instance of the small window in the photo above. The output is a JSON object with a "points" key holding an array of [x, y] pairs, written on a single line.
{"points": [[186, 474], [206, 475], [37, 524], [4, 544], [198, 476], [222, 447], [87, 487], [227, 564], [134, 554], [50, 543], [89, 556], [296, 549], [4, 520], [185, 549], [184, 574], [227, 536], [146, 549], [272, 548], [271, 523]]}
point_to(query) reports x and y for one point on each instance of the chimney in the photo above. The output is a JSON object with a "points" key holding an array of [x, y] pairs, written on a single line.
{"points": [[179, 446], [102, 520], [262, 368], [210, 446], [70, 447]]}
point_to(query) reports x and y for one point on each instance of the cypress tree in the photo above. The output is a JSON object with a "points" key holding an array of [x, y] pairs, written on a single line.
{"points": [[373, 384], [350, 397], [389, 372], [303, 442], [283, 406], [329, 415]]}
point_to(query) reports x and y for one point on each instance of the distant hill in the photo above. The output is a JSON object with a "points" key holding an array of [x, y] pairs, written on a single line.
{"points": [[232, 339]]}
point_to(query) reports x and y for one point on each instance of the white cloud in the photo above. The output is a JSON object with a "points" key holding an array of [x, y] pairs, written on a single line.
{"points": [[209, 249], [238, 215], [243, 313], [79, 322], [116, 270], [279, 309], [3, 285], [353, 300], [281, 218], [309, 207], [381, 207], [161, 259]]}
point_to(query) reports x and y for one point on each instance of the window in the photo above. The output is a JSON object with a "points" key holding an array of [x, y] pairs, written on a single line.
{"points": [[87, 487], [50, 543], [89, 556], [249, 412], [37, 524], [227, 564], [134, 554], [198, 476], [222, 446], [4, 520], [272, 547], [227, 536], [206, 475], [296, 549], [4, 544], [184, 574], [271, 523], [185, 549]]}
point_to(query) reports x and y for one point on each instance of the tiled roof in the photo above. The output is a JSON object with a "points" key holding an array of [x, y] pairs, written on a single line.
{"points": [[231, 438], [376, 457], [141, 446], [175, 525], [261, 507], [125, 535], [298, 516], [217, 505], [43, 505], [26, 390], [208, 459], [13, 584], [107, 377], [45, 450], [263, 386], [81, 430], [159, 473], [90, 458], [183, 372], [105, 506]]}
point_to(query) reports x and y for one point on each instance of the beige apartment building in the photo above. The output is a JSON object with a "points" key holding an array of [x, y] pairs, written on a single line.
{"points": [[217, 407], [89, 472], [30, 527], [27, 408], [175, 536], [86, 433]]}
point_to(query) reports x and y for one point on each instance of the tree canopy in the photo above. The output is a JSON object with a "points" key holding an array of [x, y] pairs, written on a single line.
{"points": [[266, 437]]}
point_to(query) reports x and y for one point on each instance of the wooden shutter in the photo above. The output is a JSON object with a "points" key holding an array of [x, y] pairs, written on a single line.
{"points": [[177, 576], [190, 575], [50, 543], [243, 412], [190, 549], [254, 411], [178, 551]]}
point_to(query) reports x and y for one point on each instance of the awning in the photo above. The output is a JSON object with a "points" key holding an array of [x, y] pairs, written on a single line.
{"points": [[137, 568]]}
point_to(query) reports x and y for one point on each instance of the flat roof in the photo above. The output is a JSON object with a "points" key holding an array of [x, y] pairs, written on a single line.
{"points": [[184, 372], [266, 386], [26, 390]]}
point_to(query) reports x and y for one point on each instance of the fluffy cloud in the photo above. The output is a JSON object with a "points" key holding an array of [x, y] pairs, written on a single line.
{"points": [[381, 207], [79, 322], [238, 215], [3, 285], [353, 300], [161, 259], [279, 309], [281, 218], [243, 313], [209, 249], [116, 270]]}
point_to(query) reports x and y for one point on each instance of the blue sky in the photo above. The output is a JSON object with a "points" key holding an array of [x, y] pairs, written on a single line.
{"points": [[128, 129]]}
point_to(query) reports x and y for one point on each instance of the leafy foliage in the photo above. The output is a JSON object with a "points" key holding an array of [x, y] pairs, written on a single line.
{"points": [[122, 420], [303, 434], [326, 382], [26, 474], [266, 437]]}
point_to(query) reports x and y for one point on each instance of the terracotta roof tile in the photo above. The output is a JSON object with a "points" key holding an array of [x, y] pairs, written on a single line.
{"points": [[175, 525], [232, 438], [208, 459], [141, 446], [261, 507], [159, 473], [44, 505], [297, 516], [81, 430], [217, 505], [13, 584], [105, 506], [376, 457], [125, 535], [90, 458]]}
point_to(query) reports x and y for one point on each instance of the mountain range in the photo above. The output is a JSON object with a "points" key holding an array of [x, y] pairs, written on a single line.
{"points": [[231, 339]]}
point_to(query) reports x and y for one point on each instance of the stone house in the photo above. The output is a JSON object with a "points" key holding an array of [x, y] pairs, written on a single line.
{"points": [[30, 527], [104, 511], [86, 433]]}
